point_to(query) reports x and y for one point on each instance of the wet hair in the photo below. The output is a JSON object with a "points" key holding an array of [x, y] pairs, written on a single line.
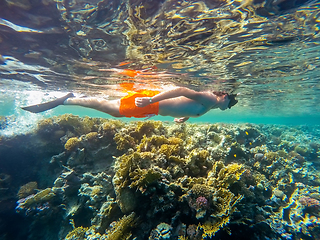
{"points": [[232, 97]]}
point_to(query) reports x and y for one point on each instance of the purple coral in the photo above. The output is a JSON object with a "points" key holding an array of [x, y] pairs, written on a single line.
{"points": [[201, 202], [309, 202], [192, 231]]}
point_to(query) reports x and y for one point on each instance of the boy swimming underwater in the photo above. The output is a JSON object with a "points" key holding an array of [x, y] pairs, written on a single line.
{"points": [[181, 103]]}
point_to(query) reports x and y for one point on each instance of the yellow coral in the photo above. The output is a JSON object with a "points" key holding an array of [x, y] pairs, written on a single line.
{"points": [[175, 141], [147, 127], [196, 161], [124, 141], [211, 227], [91, 136], [231, 172], [27, 189], [201, 190], [96, 190], [304, 151], [169, 150], [224, 176], [87, 124], [42, 196], [77, 233], [121, 229], [72, 143], [181, 237], [44, 124], [259, 177], [271, 156], [79, 125], [151, 143], [197, 156], [68, 120], [225, 206], [124, 165], [110, 126], [143, 177], [110, 210], [131, 170]]}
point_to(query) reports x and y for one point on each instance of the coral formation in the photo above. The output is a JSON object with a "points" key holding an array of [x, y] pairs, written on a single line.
{"points": [[72, 143], [4, 180], [41, 197], [154, 180], [77, 233], [27, 189], [161, 232]]}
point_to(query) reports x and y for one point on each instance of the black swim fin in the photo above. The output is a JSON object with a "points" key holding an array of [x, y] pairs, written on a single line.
{"points": [[47, 105]]}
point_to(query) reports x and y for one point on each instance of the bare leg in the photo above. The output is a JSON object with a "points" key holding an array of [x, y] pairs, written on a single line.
{"points": [[106, 106]]}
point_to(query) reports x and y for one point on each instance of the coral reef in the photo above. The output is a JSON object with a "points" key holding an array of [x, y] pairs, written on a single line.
{"points": [[154, 180]]}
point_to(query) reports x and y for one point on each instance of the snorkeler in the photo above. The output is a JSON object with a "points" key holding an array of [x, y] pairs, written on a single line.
{"points": [[181, 103]]}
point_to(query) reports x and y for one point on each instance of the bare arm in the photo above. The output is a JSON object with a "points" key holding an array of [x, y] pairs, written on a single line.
{"points": [[177, 92]]}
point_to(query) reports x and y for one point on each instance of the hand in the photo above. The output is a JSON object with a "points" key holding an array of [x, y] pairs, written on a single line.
{"points": [[142, 101], [181, 120]]}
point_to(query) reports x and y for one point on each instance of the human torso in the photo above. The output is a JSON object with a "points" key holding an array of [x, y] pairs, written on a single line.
{"points": [[183, 107]]}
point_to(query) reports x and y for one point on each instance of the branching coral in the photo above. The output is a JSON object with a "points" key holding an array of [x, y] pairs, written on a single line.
{"points": [[224, 202], [78, 125], [131, 137], [133, 171], [121, 229], [224, 176], [124, 141], [197, 162], [148, 127], [110, 127], [143, 177], [44, 124], [77, 233]]}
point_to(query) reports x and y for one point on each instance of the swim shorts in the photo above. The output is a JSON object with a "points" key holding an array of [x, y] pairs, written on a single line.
{"points": [[129, 109]]}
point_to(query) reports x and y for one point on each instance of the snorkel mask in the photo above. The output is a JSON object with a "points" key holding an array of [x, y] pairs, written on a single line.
{"points": [[232, 98]]}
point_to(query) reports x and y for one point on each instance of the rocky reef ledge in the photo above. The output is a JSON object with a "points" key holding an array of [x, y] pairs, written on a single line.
{"points": [[92, 178]]}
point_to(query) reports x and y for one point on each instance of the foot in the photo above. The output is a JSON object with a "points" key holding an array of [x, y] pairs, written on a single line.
{"points": [[181, 120]]}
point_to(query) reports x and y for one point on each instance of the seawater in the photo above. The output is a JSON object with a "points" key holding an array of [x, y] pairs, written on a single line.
{"points": [[61, 175]]}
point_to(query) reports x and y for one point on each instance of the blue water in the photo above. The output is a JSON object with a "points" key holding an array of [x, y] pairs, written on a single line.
{"points": [[215, 116], [266, 51]]}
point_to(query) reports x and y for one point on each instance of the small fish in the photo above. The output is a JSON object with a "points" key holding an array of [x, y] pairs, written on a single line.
{"points": [[259, 156]]}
